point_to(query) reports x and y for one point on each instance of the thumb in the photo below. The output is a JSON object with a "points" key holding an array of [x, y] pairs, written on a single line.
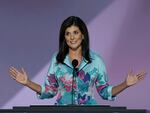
{"points": [[130, 71], [23, 71]]}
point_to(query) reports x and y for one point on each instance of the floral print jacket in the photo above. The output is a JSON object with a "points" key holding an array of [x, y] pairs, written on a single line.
{"points": [[59, 82]]}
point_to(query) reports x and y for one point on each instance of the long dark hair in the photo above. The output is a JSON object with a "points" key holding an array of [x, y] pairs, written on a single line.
{"points": [[63, 47]]}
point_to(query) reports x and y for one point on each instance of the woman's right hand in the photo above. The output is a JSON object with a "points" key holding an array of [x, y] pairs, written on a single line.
{"points": [[20, 76]]}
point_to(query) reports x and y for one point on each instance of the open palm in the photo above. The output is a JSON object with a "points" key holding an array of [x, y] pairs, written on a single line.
{"points": [[134, 78], [19, 76]]}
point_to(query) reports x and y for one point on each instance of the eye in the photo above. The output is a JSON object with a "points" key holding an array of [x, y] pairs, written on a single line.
{"points": [[76, 32], [66, 33]]}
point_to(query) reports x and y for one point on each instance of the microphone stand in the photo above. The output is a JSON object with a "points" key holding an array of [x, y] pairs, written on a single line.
{"points": [[73, 84], [74, 63]]}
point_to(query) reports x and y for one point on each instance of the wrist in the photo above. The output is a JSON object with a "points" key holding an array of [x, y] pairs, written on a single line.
{"points": [[125, 84], [27, 83]]}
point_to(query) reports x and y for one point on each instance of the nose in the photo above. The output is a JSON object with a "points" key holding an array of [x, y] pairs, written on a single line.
{"points": [[71, 36]]}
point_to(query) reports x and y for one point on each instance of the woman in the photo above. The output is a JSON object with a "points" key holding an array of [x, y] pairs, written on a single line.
{"points": [[75, 88]]}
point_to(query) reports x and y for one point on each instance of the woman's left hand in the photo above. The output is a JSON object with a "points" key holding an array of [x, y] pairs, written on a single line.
{"points": [[134, 78]]}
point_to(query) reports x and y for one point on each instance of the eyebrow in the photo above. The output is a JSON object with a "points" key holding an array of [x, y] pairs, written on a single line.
{"points": [[73, 30]]}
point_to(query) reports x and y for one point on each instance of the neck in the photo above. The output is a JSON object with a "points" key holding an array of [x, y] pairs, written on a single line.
{"points": [[75, 54]]}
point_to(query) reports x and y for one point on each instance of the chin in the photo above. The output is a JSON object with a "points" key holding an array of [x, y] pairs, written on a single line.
{"points": [[75, 48]]}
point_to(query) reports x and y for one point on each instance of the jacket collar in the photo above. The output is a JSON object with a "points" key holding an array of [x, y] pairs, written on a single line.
{"points": [[68, 62]]}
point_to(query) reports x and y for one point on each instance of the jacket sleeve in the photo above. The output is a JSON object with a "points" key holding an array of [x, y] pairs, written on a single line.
{"points": [[50, 87], [102, 86]]}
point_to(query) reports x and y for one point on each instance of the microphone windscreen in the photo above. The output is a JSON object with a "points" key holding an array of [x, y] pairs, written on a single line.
{"points": [[74, 63]]}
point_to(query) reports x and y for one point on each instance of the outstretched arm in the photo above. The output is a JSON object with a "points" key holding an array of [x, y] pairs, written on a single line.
{"points": [[131, 79], [22, 78]]}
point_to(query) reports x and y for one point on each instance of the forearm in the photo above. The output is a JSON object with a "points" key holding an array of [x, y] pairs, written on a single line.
{"points": [[119, 88], [34, 86]]}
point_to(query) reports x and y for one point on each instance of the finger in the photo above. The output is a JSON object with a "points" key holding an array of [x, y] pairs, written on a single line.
{"points": [[15, 72], [130, 72], [144, 73], [14, 69], [23, 71], [12, 75], [11, 71], [141, 78], [141, 74]]}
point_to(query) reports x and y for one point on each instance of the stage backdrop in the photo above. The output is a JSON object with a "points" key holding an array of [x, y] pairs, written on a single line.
{"points": [[119, 31]]}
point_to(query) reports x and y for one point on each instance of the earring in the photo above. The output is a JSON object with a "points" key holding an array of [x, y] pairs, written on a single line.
{"points": [[82, 37]]}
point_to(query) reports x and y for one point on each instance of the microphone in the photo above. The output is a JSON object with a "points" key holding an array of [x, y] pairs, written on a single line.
{"points": [[74, 64]]}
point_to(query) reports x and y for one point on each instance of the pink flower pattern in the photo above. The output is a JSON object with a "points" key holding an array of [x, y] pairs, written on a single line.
{"points": [[81, 74], [99, 88], [68, 83]]}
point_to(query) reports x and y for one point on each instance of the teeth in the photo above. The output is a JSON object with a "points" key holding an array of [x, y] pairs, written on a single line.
{"points": [[73, 42]]}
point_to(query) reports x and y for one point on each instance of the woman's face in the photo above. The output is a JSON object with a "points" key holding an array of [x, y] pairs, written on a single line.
{"points": [[73, 37]]}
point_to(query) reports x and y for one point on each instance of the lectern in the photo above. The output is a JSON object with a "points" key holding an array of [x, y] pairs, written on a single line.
{"points": [[71, 109]]}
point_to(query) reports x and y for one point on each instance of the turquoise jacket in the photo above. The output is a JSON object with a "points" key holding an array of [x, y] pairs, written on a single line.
{"points": [[59, 82]]}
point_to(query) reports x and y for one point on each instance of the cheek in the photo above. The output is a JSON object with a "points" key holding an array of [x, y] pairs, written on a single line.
{"points": [[67, 41], [80, 40]]}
